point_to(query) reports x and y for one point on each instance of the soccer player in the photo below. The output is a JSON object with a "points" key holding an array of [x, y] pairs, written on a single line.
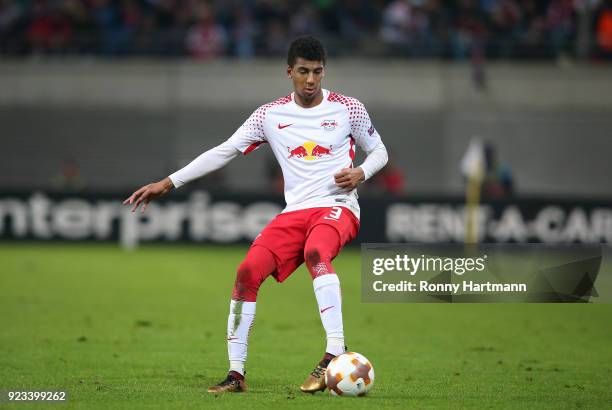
{"points": [[312, 133]]}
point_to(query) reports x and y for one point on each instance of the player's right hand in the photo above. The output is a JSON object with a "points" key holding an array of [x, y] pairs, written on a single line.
{"points": [[147, 193]]}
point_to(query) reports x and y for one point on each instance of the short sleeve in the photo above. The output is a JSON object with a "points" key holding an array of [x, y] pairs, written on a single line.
{"points": [[250, 135], [362, 129]]}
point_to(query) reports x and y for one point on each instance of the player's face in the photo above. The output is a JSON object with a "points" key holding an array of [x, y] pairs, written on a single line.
{"points": [[306, 76]]}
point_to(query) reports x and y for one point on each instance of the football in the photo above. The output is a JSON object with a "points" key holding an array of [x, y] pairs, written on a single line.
{"points": [[350, 374]]}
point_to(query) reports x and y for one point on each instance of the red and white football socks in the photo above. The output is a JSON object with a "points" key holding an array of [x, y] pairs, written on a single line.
{"points": [[329, 299], [239, 323]]}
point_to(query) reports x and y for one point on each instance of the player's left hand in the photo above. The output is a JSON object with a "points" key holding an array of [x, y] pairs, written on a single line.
{"points": [[349, 178]]}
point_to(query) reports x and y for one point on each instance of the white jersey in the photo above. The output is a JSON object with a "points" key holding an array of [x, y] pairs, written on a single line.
{"points": [[311, 146]]}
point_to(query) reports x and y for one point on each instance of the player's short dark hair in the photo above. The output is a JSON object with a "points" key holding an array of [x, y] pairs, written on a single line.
{"points": [[307, 47]]}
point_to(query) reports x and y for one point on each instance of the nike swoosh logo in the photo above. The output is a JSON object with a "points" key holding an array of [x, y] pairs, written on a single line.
{"points": [[327, 308], [232, 338], [280, 126]]}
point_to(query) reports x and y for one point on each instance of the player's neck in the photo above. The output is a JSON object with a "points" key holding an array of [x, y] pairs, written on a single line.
{"points": [[316, 100]]}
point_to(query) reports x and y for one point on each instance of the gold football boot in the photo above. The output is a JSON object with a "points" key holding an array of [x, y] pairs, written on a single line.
{"points": [[315, 381], [231, 384]]}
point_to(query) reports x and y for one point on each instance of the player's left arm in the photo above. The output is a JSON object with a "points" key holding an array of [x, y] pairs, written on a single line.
{"points": [[368, 139], [349, 178]]}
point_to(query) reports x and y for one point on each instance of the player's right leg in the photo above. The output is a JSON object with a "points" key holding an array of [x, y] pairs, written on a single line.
{"points": [[256, 267]]}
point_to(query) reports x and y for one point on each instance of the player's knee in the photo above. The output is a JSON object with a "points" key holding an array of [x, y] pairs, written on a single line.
{"points": [[247, 282], [312, 255], [318, 261]]}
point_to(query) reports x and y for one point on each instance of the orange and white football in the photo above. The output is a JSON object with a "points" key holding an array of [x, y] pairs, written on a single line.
{"points": [[350, 374]]}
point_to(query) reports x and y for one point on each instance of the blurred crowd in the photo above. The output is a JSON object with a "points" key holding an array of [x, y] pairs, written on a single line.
{"points": [[514, 29]]}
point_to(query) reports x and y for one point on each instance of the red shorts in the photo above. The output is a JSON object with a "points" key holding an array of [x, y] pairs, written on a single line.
{"points": [[286, 235]]}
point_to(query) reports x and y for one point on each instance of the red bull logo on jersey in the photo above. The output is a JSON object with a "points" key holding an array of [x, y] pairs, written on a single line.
{"points": [[309, 151], [329, 125]]}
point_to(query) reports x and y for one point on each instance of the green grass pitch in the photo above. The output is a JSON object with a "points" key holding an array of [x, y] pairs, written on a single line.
{"points": [[146, 329]]}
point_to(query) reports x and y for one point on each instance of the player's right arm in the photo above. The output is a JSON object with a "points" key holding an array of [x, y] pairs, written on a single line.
{"points": [[209, 161], [145, 194], [247, 138]]}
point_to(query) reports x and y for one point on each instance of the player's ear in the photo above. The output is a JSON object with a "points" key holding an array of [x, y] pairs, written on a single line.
{"points": [[289, 71]]}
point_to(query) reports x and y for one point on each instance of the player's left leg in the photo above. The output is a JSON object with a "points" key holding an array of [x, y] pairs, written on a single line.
{"points": [[322, 245]]}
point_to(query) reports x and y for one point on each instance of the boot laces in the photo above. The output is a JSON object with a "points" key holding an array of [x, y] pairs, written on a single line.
{"points": [[318, 372]]}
